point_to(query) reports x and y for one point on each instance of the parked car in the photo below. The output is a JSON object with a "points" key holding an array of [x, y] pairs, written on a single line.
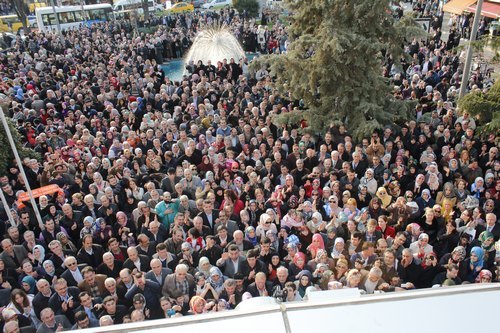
{"points": [[217, 3], [198, 3], [181, 7]]}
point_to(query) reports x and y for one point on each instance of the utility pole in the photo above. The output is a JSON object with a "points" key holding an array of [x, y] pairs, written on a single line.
{"points": [[21, 169], [57, 19], [468, 58]]}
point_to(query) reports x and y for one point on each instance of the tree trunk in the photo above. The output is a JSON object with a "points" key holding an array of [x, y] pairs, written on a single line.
{"points": [[145, 8], [21, 12]]}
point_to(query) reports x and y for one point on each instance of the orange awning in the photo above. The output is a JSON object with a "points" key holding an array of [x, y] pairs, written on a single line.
{"points": [[489, 9], [457, 6]]}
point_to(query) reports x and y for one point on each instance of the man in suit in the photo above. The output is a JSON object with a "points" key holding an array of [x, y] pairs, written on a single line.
{"points": [[223, 219], [52, 322], [117, 291], [158, 273], [58, 256], [358, 164], [202, 229], [209, 215], [187, 205], [73, 274], [240, 241], [72, 221], [41, 299], [261, 287], [231, 262], [64, 300], [145, 247], [136, 261], [156, 232], [13, 255], [88, 306], [92, 283], [109, 267], [150, 290], [83, 321], [180, 282], [492, 225], [90, 253]]}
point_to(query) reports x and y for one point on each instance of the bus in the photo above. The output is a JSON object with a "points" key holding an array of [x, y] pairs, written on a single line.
{"points": [[124, 8], [72, 16]]}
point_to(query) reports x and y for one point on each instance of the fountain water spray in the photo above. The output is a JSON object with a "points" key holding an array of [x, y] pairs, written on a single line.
{"points": [[215, 43]]}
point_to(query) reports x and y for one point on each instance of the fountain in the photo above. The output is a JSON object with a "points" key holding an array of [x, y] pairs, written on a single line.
{"points": [[215, 43]]}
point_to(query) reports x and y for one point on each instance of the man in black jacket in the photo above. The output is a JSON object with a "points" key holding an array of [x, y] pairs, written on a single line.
{"points": [[65, 300], [41, 299], [413, 271], [110, 308], [260, 287]]}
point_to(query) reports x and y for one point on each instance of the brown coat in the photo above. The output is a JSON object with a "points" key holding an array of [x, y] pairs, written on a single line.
{"points": [[99, 279]]}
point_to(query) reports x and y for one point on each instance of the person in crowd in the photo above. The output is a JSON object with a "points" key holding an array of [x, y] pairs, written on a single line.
{"points": [[177, 196]]}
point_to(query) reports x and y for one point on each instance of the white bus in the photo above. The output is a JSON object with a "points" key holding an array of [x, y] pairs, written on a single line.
{"points": [[125, 7], [72, 16]]}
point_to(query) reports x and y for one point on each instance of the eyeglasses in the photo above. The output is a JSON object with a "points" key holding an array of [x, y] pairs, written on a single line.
{"points": [[268, 222], [437, 210], [333, 201], [72, 264], [315, 194]]}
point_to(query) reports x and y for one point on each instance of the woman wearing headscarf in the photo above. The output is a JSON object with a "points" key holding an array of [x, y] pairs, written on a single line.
{"points": [[448, 193], [303, 281], [66, 243], [265, 224], [320, 258], [316, 245], [251, 236], [49, 271], [28, 284], [298, 265], [487, 241], [339, 250], [473, 265], [38, 255], [187, 253], [477, 188], [204, 266], [425, 200], [216, 280], [484, 276], [316, 224]]}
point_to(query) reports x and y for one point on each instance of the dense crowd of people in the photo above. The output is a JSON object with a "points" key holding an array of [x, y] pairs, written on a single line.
{"points": [[181, 198]]}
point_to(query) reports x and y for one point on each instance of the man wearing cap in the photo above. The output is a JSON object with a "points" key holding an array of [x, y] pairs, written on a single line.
{"points": [[11, 316]]}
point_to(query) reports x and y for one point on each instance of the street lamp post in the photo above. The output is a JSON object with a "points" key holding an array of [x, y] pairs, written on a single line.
{"points": [[468, 59]]}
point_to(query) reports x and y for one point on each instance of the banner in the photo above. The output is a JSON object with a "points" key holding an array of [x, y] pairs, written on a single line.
{"points": [[49, 189]]}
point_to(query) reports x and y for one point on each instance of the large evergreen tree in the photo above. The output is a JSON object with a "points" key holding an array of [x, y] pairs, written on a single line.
{"points": [[334, 63], [485, 107]]}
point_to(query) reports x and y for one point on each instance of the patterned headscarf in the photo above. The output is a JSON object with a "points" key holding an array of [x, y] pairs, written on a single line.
{"points": [[483, 237], [460, 250]]}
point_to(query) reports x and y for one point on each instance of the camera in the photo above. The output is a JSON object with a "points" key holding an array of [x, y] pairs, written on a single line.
{"points": [[281, 294]]}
